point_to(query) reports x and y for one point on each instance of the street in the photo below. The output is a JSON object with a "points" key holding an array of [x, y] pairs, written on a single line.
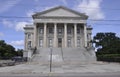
{"points": [[117, 74]]}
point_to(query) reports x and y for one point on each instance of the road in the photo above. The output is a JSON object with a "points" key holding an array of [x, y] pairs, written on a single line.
{"points": [[117, 74]]}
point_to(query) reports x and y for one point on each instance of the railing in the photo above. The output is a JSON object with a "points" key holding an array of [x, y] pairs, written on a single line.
{"points": [[32, 52], [50, 59], [62, 54]]}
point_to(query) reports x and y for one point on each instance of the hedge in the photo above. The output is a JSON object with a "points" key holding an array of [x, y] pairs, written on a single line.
{"points": [[109, 57]]}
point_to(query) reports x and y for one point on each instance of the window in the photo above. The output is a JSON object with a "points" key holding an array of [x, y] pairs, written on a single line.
{"points": [[69, 31], [51, 30], [41, 30], [59, 30], [69, 42], [29, 36], [78, 42], [41, 43], [50, 42], [78, 30], [29, 44]]}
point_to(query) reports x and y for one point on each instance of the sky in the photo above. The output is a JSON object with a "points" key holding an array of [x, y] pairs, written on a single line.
{"points": [[104, 16]]}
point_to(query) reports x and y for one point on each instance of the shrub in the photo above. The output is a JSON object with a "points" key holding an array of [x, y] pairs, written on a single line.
{"points": [[109, 57]]}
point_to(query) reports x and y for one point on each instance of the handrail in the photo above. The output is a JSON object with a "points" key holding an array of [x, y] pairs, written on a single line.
{"points": [[50, 59], [62, 53], [34, 50]]}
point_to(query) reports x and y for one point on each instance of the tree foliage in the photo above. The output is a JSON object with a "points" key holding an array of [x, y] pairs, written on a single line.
{"points": [[107, 43], [8, 51], [19, 52]]}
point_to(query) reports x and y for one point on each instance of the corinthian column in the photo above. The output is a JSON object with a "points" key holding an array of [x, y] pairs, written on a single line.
{"points": [[75, 35], [85, 35], [45, 25], [65, 34], [35, 35], [55, 35]]}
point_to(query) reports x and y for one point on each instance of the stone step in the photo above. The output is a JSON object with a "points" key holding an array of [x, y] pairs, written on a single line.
{"points": [[43, 55], [77, 54], [64, 55]]}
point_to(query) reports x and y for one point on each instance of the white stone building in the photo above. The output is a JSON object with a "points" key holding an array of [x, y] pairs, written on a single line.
{"points": [[58, 27]]}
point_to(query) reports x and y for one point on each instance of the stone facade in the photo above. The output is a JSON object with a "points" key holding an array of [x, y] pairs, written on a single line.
{"points": [[58, 27]]}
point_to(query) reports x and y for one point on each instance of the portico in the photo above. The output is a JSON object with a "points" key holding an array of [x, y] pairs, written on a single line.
{"points": [[59, 28], [59, 35]]}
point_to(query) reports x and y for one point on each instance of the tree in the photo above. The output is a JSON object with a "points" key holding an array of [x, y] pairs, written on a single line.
{"points": [[107, 43], [19, 52], [6, 50]]}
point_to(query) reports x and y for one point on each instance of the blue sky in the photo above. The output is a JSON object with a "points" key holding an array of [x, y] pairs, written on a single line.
{"points": [[104, 16]]}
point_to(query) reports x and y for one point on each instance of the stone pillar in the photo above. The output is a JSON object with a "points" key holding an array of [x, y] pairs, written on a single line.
{"points": [[85, 35], [65, 34], [35, 35], [75, 35], [44, 38], [55, 35]]}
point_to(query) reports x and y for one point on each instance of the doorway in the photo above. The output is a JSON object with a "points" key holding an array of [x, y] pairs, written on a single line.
{"points": [[59, 42]]}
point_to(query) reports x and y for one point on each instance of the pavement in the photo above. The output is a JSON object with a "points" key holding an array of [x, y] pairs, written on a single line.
{"points": [[61, 68], [64, 75]]}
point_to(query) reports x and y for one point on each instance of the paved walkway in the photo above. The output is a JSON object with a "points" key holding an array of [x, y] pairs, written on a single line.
{"points": [[43, 68]]}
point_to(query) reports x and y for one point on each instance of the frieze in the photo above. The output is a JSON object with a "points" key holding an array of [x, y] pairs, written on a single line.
{"points": [[59, 21]]}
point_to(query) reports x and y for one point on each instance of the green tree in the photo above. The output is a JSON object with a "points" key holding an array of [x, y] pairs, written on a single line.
{"points": [[6, 50], [19, 52], [107, 43]]}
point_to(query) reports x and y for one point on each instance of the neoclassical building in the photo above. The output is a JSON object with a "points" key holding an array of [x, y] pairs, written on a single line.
{"points": [[58, 27]]}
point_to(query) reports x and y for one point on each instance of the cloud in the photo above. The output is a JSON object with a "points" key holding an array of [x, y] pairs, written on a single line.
{"points": [[7, 23], [1, 34], [7, 4], [17, 43], [19, 26], [92, 8]]}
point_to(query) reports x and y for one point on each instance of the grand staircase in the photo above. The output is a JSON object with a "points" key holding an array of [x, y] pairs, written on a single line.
{"points": [[59, 55], [54, 59]]}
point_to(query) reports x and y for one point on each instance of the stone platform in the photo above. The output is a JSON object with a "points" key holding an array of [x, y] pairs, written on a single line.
{"points": [[43, 68]]}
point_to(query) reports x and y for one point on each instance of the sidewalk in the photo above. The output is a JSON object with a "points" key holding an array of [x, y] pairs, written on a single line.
{"points": [[40, 68]]}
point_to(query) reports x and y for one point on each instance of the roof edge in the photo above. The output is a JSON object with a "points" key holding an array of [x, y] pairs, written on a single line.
{"points": [[57, 7]]}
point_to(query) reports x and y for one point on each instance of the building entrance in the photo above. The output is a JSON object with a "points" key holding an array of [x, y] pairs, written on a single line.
{"points": [[59, 42]]}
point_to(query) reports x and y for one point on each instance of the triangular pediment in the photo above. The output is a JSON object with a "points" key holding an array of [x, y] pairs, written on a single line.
{"points": [[59, 12]]}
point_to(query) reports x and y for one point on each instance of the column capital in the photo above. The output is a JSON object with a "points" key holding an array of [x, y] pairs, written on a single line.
{"points": [[45, 23], [65, 24], [55, 23], [75, 24]]}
